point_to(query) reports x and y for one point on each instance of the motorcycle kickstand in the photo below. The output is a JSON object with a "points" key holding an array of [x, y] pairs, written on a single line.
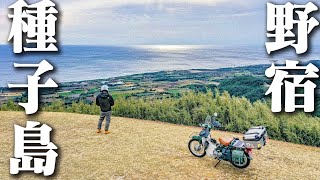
{"points": [[217, 163]]}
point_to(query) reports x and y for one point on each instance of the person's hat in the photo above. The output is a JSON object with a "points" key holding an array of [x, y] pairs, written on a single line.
{"points": [[104, 88]]}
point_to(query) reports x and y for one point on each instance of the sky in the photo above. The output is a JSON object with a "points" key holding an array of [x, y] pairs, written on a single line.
{"points": [[149, 22]]}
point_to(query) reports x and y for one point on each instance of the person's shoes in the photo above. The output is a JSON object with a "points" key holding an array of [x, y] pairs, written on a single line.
{"points": [[98, 131], [107, 132]]}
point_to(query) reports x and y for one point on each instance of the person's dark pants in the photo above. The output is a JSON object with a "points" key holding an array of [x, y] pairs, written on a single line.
{"points": [[106, 115]]}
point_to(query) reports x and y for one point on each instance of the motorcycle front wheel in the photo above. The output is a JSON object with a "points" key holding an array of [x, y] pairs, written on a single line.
{"points": [[196, 148], [246, 162]]}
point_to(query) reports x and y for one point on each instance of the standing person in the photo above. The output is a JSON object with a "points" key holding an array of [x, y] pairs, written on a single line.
{"points": [[105, 101]]}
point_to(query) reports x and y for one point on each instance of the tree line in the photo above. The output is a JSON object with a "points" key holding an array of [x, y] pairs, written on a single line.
{"points": [[237, 114]]}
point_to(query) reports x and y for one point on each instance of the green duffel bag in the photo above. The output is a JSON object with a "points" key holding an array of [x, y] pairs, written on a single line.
{"points": [[237, 156]]}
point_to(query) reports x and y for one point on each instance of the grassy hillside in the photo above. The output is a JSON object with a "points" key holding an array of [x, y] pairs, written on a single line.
{"points": [[138, 149]]}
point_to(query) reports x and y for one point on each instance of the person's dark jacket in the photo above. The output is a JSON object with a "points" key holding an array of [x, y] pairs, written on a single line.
{"points": [[105, 101]]}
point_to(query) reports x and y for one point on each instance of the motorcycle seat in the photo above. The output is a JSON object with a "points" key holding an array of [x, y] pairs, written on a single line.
{"points": [[225, 141]]}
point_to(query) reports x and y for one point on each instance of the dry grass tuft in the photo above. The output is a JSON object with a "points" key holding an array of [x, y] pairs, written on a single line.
{"points": [[138, 149]]}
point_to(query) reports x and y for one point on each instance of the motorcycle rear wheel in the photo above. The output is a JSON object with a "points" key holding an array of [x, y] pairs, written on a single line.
{"points": [[196, 148], [245, 164]]}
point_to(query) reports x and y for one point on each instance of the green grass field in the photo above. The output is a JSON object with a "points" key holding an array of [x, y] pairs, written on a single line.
{"points": [[64, 94]]}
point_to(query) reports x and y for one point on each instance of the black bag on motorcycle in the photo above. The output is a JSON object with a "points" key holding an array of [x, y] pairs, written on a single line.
{"points": [[256, 137]]}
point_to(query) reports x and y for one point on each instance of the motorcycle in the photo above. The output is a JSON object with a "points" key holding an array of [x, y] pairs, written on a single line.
{"points": [[228, 149]]}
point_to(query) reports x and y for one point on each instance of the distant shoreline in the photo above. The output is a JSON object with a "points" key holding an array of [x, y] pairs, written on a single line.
{"points": [[79, 63], [259, 66], [145, 73]]}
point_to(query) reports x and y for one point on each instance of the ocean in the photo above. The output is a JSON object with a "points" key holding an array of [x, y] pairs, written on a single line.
{"points": [[76, 63]]}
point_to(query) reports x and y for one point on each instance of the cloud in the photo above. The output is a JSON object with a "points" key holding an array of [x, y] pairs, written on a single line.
{"points": [[4, 25], [150, 21], [142, 21], [81, 4], [75, 12]]}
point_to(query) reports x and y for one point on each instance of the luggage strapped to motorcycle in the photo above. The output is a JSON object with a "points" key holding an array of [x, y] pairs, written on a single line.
{"points": [[256, 137]]}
